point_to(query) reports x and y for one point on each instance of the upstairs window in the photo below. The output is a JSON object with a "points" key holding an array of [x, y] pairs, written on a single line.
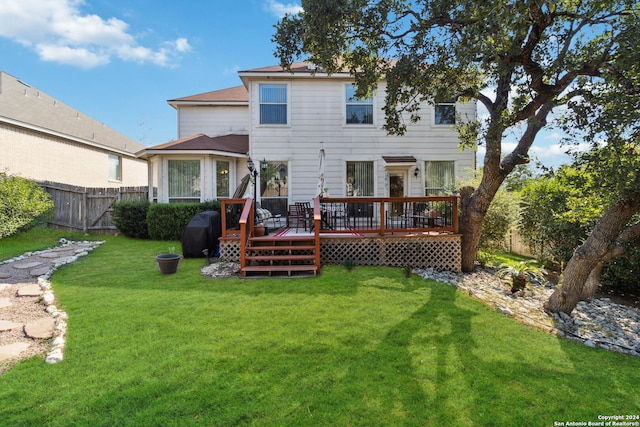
{"points": [[358, 111], [445, 113], [115, 168], [273, 104]]}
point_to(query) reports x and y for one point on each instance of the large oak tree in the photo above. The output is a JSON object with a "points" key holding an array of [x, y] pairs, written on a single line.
{"points": [[520, 59]]}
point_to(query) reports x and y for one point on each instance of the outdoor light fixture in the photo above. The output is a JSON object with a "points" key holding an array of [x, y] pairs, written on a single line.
{"points": [[264, 165], [416, 171], [254, 173]]}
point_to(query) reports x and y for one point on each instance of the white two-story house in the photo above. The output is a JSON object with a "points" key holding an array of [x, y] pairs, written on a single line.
{"points": [[286, 122]]}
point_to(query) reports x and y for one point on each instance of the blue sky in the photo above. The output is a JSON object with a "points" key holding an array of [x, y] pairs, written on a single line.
{"points": [[120, 61]]}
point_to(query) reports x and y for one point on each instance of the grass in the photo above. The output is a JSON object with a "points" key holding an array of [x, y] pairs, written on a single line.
{"points": [[365, 347]]}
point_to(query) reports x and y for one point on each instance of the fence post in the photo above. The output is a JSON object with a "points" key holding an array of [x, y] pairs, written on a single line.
{"points": [[85, 217]]}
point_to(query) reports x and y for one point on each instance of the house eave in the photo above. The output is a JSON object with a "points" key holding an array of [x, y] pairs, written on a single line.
{"points": [[145, 154], [68, 137], [175, 104]]}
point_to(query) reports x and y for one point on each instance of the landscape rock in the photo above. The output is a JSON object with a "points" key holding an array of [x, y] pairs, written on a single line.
{"points": [[6, 325], [30, 291], [41, 328], [13, 350], [596, 323]]}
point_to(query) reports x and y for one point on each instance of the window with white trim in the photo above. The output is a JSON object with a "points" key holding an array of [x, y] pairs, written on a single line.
{"points": [[222, 178], [273, 104], [359, 179], [184, 180], [115, 167], [439, 177], [358, 111], [445, 113]]}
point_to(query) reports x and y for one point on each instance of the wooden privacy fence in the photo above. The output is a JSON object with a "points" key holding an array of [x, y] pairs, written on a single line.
{"points": [[88, 209]]}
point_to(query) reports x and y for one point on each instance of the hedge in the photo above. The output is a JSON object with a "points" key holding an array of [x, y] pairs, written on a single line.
{"points": [[166, 221], [131, 218]]}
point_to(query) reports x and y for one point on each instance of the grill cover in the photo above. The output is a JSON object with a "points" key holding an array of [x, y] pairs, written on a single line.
{"points": [[202, 232]]}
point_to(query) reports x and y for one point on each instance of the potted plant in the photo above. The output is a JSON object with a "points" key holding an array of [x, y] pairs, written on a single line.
{"points": [[259, 229], [521, 273], [168, 262]]}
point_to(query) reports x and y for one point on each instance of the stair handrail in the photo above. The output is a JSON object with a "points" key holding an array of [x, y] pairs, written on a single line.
{"points": [[317, 217], [246, 225]]}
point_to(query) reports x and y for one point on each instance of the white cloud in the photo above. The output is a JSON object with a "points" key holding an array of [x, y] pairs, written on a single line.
{"points": [[280, 9], [59, 32]]}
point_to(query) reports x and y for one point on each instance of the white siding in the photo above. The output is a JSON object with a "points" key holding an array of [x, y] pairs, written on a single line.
{"points": [[212, 120], [317, 113]]}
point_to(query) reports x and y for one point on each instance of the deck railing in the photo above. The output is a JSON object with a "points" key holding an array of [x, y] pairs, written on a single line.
{"points": [[387, 215], [366, 215]]}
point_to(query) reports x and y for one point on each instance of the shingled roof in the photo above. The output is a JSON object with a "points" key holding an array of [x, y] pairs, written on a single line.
{"points": [[28, 107], [231, 145], [233, 95]]}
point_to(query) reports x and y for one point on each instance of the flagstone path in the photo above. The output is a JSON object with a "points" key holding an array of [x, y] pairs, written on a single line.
{"points": [[30, 323]]}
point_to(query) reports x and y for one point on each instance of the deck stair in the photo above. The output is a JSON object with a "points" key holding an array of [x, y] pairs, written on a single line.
{"points": [[280, 256]]}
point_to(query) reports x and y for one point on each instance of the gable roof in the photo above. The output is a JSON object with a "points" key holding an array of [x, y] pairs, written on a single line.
{"points": [[232, 145], [237, 95], [28, 107]]}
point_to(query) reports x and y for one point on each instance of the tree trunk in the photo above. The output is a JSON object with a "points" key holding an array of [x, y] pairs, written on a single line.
{"points": [[592, 282], [606, 241]]}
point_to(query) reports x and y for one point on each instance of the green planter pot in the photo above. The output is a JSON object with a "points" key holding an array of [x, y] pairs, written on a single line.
{"points": [[168, 263]]}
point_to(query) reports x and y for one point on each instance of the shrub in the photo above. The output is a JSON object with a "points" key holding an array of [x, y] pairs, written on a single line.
{"points": [[23, 204], [166, 221], [131, 218]]}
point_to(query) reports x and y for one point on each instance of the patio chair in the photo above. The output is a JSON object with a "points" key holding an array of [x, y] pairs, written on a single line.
{"points": [[298, 213], [265, 216]]}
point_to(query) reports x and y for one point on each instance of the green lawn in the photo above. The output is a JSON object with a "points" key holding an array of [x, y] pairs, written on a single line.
{"points": [[366, 347]]}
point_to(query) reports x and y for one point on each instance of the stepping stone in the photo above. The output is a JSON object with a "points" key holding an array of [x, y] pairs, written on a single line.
{"points": [[41, 328], [6, 325], [4, 275], [12, 350], [5, 302], [66, 260], [30, 291], [27, 265], [49, 255], [4, 286], [39, 271]]}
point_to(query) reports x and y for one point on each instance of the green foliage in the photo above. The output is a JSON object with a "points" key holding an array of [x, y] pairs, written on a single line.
{"points": [[558, 212], [620, 275], [348, 264], [521, 273], [131, 218], [23, 204], [166, 221], [500, 219]]}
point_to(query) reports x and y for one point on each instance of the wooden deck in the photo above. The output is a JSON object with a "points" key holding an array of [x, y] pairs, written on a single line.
{"points": [[420, 232]]}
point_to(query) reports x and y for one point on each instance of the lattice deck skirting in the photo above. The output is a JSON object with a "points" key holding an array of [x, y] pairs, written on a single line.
{"points": [[442, 252]]}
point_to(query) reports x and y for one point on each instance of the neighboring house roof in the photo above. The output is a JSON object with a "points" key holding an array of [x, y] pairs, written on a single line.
{"points": [[237, 95], [228, 145], [27, 107]]}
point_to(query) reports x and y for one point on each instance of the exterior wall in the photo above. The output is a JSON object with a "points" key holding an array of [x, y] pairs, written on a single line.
{"points": [[212, 120], [317, 114], [42, 157]]}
